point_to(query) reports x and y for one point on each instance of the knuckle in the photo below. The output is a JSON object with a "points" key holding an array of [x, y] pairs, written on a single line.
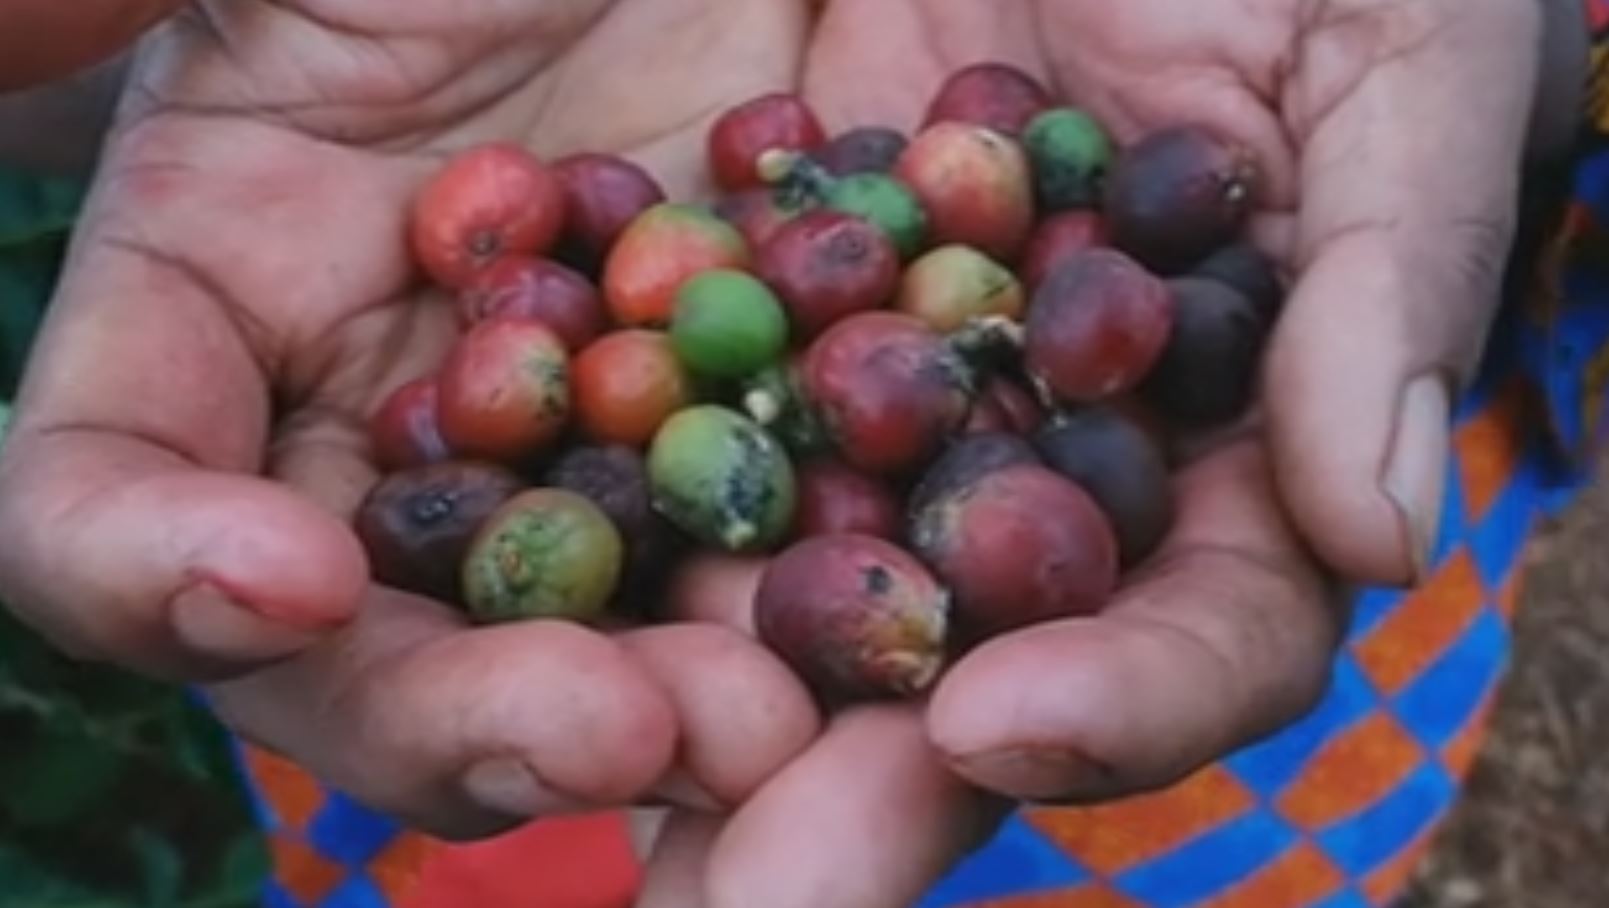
{"points": [[1265, 644]]}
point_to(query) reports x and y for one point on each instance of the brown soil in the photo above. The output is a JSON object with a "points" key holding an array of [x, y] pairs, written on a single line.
{"points": [[1533, 830]]}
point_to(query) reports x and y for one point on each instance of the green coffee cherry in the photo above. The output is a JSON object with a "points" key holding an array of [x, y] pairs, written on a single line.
{"points": [[1070, 154], [884, 201], [546, 553], [727, 324], [722, 479]]}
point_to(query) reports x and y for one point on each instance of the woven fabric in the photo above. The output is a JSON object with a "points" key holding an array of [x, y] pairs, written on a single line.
{"points": [[1332, 812], [331, 852]]}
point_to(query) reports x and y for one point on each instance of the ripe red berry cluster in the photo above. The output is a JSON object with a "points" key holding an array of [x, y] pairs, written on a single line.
{"points": [[937, 376]]}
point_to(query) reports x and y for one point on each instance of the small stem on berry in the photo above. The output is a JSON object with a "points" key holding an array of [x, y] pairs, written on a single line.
{"points": [[987, 343], [795, 176], [1047, 398], [990, 332], [777, 165], [763, 406], [815, 178], [738, 535]]}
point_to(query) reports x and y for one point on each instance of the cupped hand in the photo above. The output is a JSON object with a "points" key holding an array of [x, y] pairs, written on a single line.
{"points": [[1392, 133], [238, 296], [189, 446]]}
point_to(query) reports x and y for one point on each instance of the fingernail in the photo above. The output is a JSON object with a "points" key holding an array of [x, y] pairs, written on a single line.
{"points": [[209, 622], [1035, 773], [679, 789], [508, 786], [1416, 466]]}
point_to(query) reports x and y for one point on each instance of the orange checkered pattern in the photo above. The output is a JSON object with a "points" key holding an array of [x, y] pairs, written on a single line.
{"points": [[330, 851]]}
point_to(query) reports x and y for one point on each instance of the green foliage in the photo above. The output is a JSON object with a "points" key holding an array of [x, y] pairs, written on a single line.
{"points": [[115, 791], [36, 217]]}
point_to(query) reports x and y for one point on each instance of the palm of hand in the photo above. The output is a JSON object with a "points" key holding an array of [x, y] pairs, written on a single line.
{"points": [[292, 114], [240, 272], [256, 196], [1135, 65], [234, 122]]}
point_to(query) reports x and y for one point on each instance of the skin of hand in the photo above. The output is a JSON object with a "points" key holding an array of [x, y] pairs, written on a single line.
{"points": [[1395, 244], [189, 441]]}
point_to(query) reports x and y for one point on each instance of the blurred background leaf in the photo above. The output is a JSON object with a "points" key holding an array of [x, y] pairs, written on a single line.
{"points": [[115, 791], [36, 218]]}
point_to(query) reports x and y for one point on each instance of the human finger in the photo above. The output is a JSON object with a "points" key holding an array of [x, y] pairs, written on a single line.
{"points": [[462, 731], [1224, 636], [1400, 249]]}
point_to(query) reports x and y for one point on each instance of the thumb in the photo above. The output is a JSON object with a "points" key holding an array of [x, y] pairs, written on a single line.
{"points": [[1413, 119], [134, 527], [116, 550]]}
